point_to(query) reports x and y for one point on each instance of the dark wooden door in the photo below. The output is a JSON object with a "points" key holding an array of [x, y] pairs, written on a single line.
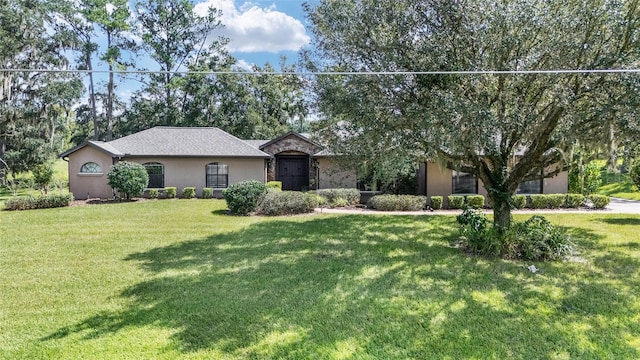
{"points": [[293, 171]]}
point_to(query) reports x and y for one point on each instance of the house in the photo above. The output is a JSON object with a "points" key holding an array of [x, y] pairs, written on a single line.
{"points": [[204, 157]]}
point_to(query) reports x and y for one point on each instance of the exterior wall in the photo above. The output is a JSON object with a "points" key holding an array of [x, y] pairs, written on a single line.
{"points": [[332, 176], [84, 186], [558, 184], [184, 172], [289, 145]]}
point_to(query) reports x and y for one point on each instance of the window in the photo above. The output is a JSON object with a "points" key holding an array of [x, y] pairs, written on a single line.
{"points": [[463, 183], [217, 175], [156, 175], [91, 168], [530, 187]]}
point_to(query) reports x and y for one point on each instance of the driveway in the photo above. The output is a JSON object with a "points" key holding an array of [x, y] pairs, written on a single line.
{"points": [[624, 206]]}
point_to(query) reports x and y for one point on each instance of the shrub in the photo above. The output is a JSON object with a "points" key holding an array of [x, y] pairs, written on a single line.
{"points": [[129, 178], [634, 174], [207, 193], [475, 201], [555, 201], [599, 201], [339, 202], [276, 185], [349, 196], [436, 202], [455, 201], [475, 235], [277, 203], [538, 201], [243, 197], [188, 192], [519, 201], [42, 176], [397, 202], [170, 192], [538, 240], [39, 202], [574, 201], [153, 193]]}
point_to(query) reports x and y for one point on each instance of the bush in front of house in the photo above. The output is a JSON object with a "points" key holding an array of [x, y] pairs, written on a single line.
{"points": [[343, 197], [398, 202], [39, 202], [475, 201], [538, 201], [599, 201], [170, 192], [153, 193], [436, 202], [455, 201], [634, 173], [189, 192], [574, 201], [207, 193], [278, 203], [243, 197], [128, 178], [519, 201], [276, 185]]}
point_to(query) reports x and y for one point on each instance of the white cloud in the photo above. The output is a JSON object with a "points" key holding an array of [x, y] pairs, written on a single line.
{"points": [[252, 28], [242, 64]]}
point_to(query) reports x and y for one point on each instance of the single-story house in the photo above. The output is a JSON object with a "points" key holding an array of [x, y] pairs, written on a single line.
{"points": [[209, 157]]}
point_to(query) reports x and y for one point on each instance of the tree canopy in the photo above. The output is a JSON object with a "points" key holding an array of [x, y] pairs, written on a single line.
{"points": [[502, 128]]}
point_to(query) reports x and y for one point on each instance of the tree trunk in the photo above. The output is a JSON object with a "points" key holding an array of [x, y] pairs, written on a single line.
{"points": [[3, 165], [110, 85], [612, 149], [92, 98], [501, 214]]}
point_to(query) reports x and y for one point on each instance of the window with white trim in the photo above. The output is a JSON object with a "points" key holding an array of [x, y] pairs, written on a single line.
{"points": [[217, 175]]}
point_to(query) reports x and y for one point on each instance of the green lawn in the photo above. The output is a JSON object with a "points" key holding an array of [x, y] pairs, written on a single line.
{"points": [[618, 185], [179, 279]]}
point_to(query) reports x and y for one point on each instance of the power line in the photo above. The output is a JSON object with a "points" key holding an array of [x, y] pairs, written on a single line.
{"points": [[320, 73]]}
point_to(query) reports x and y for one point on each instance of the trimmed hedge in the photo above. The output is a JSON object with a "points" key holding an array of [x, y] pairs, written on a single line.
{"points": [[170, 192], [242, 198], [207, 193], [398, 202], [548, 201], [455, 201], [188, 192], [436, 202], [153, 193], [475, 201], [277, 203], [599, 201], [276, 185], [574, 201], [342, 197], [519, 201], [39, 202]]}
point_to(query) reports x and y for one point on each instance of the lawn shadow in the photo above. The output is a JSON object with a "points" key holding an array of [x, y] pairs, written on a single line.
{"points": [[386, 284], [634, 221]]}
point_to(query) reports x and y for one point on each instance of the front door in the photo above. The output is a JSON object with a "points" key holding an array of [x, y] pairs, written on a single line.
{"points": [[293, 171]]}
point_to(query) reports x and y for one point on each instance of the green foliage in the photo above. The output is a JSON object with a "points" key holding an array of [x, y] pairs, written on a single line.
{"points": [[455, 201], [436, 202], [538, 201], [153, 193], [475, 201], [398, 202], [547, 201], [242, 198], [599, 201], [537, 240], [475, 235], [42, 176], [343, 197], [585, 179], [170, 192], [519, 201], [207, 193], [128, 178], [39, 202], [634, 174], [277, 185], [278, 203], [574, 201], [189, 192]]}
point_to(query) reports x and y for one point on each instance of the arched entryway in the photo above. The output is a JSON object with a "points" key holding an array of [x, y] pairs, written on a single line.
{"points": [[293, 171]]}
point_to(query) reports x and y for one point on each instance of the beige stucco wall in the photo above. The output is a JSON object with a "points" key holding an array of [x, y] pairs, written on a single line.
{"points": [[558, 184], [184, 172], [331, 175], [89, 185]]}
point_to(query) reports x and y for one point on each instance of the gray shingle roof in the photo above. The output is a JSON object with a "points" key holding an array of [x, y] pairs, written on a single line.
{"points": [[177, 141], [256, 143]]}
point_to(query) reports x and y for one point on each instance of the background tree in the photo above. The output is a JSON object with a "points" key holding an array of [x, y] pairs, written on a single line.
{"points": [[473, 123]]}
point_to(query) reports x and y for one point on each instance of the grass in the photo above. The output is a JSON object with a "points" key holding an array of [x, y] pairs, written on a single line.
{"points": [[618, 185], [179, 279]]}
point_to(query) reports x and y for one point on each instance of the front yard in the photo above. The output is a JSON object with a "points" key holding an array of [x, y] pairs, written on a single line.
{"points": [[179, 279]]}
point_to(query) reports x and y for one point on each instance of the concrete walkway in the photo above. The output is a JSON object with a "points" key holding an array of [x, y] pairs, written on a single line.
{"points": [[616, 206]]}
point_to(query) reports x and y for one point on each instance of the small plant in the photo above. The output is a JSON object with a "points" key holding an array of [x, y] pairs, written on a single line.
{"points": [[170, 192], [634, 174], [128, 178], [276, 185], [538, 201], [555, 201], [476, 237], [475, 201], [455, 201], [278, 203], [519, 201], [339, 202], [189, 192], [153, 193], [397, 202], [207, 193], [537, 240], [350, 196], [599, 201], [42, 176], [39, 202], [243, 197], [436, 202], [574, 201]]}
